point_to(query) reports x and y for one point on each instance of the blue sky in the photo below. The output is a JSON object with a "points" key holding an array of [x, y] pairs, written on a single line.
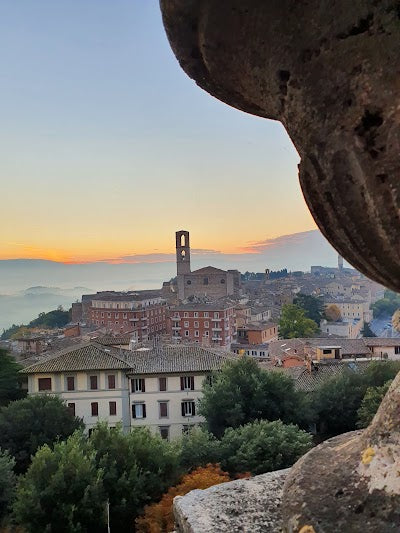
{"points": [[107, 147]]}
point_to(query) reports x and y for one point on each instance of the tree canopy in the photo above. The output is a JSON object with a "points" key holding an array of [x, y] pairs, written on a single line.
{"points": [[367, 331], [332, 313], [370, 404], [386, 306], [313, 306], [10, 379], [7, 484], [294, 323], [242, 392], [57, 318], [28, 424]]}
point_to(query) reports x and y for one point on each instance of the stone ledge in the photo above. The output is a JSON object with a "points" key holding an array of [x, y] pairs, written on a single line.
{"points": [[242, 505]]}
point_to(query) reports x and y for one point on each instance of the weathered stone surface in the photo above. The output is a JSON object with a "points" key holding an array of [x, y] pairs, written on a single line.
{"points": [[246, 505], [329, 71], [350, 483]]}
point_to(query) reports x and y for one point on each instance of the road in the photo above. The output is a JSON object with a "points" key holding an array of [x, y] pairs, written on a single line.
{"points": [[382, 327]]}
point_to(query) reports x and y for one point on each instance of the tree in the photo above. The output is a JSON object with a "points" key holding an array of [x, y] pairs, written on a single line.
{"points": [[262, 446], [138, 467], [367, 331], [159, 517], [199, 448], [10, 379], [27, 424], [313, 306], [294, 323], [370, 404], [62, 490], [57, 318], [7, 484], [332, 313], [387, 305], [242, 392]]}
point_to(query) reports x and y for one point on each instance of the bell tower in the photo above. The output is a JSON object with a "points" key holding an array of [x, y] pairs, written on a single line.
{"points": [[182, 252]]}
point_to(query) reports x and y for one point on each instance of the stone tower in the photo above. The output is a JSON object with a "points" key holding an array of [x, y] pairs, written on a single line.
{"points": [[182, 260], [340, 262]]}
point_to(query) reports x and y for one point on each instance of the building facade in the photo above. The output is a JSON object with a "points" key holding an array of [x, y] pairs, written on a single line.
{"points": [[206, 324], [155, 387], [257, 333]]}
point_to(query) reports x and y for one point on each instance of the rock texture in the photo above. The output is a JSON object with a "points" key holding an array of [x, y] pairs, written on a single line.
{"points": [[350, 483], [244, 505], [330, 72]]}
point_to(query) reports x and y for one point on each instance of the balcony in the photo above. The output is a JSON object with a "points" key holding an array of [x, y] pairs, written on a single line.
{"points": [[217, 338], [176, 328], [134, 319], [217, 329]]}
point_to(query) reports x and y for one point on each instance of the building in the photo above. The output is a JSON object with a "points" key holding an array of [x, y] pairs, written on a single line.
{"points": [[210, 282], [382, 347], [259, 351], [257, 333], [30, 345], [156, 387], [350, 329], [126, 312], [351, 308], [206, 324]]}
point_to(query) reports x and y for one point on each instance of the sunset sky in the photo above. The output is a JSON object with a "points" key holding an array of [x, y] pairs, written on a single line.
{"points": [[107, 147]]}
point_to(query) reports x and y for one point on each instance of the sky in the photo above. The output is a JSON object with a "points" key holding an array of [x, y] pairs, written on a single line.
{"points": [[107, 147]]}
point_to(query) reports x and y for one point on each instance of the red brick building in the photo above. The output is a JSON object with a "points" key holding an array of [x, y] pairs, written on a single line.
{"points": [[207, 324], [128, 312]]}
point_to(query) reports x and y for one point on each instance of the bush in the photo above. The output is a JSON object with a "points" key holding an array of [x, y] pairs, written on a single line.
{"points": [[25, 425], [370, 404], [158, 517], [262, 447], [7, 484], [199, 448], [62, 490]]}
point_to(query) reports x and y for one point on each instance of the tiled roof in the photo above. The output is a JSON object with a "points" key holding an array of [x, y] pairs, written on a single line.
{"points": [[114, 341], [158, 359], [308, 381], [349, 346], [178, 358], [90, 356], [382, 341], [208, 270]]}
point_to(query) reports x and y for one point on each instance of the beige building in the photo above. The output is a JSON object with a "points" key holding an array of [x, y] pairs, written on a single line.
{"points": [[210, 282], [350, 329], [156, 387]]}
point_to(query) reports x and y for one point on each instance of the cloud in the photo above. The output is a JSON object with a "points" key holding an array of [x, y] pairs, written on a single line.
{"points": [[281, 241], [201, 251]]}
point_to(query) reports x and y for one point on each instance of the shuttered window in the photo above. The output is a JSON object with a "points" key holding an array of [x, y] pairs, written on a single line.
{"points": [[187, 382], [138, 410], [188, 408]]}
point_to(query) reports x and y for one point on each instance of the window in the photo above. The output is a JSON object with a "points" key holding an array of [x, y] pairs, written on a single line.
{"points": [[186, 324], [124, 315], [206, 314], [163, 408], [188, 282], [138, 410], [397, 350], [222, 281], [164, 432], [206, 333], [196, 333], [95, 408], [70, 383], [138, 385], [187, 382], [205, 281], [113, 408], [93, 382], [196, 324], [162, 384], [216, 315], [44, 384], [186, 428], [71, 408], [186, 333], [109, 315], [116, 315], [206, 324], [326, 352], [195, 314], [188, 408], [185, 315]]}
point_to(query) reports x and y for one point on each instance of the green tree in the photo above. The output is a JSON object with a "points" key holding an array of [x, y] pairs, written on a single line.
{"points": [[138, 467], [313, 306], [7, 484], [10, 379], [386, 306], [262, 446], [370, 404], [379, 372], [367, 331], [27, 424], [62, 490], [241, 392], [57, 318], [294, 323], [199, 448]]}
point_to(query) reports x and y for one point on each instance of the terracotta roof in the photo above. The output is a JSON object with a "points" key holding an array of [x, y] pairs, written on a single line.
{"points": [[208, 270], [90, 356], [308, 381], [158, 359], [382, 341], [114, 341], [290, 346]]}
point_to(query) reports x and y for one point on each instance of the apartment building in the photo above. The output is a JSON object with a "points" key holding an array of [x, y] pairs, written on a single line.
{"points": [[206, 324], [257, 333], [141, 313], [157, 387]]}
